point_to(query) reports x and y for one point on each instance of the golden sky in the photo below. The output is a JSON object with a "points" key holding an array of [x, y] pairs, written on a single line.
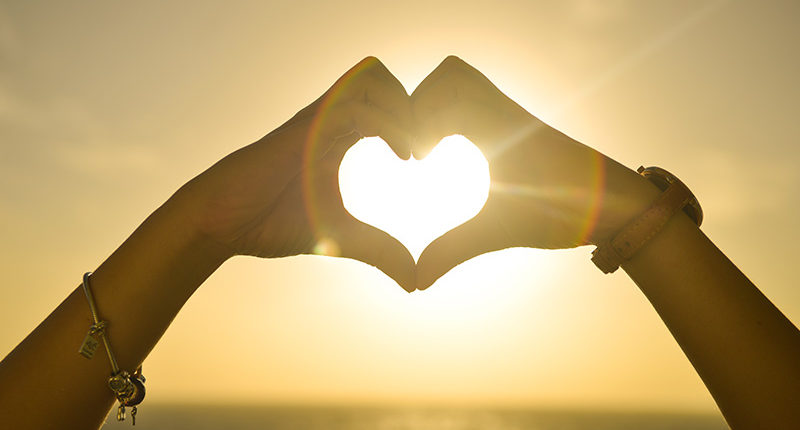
{"points": [[106, 108]]}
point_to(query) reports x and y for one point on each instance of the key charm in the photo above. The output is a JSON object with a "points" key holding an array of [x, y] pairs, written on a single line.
{"points": [[129, 390], [89, 345], [90, 342]]}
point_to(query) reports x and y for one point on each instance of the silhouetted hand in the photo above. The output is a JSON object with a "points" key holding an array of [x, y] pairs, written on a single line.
{"points": [[547, 190], [280, 195]]}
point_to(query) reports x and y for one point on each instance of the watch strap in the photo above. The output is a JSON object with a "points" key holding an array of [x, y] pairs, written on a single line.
{"points": [[610, 254]]}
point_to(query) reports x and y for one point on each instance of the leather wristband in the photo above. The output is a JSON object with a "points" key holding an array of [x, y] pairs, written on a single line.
{"points": [[624, 245]]}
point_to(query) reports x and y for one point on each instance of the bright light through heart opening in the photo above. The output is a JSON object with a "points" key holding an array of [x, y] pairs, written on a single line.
{"points": [[415, 201]]}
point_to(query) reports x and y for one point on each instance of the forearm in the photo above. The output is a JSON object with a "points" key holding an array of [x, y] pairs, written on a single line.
{"points": [[745, 350], [45, 383]]}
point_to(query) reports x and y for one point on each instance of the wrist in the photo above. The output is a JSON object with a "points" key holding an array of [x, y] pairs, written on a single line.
{"points": [[675, 197], [626, 195], [178, 219], [166, 254], [145, 282]]}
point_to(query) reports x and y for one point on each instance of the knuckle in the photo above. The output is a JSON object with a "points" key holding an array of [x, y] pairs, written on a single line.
{"points": [[455, 63], [373, 64], [453, 59], [350, 107], [370, 59]]}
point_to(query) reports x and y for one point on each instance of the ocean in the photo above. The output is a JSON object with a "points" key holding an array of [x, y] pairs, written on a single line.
{"points": [[201, 417]]}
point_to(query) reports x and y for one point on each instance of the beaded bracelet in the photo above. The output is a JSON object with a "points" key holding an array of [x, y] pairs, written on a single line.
{"points": [[127, 388]]}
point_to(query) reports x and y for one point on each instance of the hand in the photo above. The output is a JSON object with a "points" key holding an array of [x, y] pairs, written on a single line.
{"points": [[547, 190], [280, 195]]}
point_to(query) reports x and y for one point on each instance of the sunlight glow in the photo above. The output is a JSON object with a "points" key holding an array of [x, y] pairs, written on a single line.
{"points": [[415, 201]]}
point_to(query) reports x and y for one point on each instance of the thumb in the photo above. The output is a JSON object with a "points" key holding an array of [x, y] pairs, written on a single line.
{"points": [[477, 236], [375, 247]]}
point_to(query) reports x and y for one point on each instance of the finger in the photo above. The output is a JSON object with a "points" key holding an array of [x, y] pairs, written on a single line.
{"points": [[373, 85], [384, 93], [364, 121], [437, 91], [475, 121], [349, 237], [446, 71], [457, 98], [348, 87], [439, 102], [366, 243], [382, 88], [452, 80], [454, 69], [475, 237]]}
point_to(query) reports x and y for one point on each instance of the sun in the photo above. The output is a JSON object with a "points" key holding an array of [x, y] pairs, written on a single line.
{"points": [[415, 201]]}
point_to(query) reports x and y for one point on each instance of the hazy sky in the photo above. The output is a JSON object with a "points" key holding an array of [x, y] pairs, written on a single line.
{"points": [[106, 108]]}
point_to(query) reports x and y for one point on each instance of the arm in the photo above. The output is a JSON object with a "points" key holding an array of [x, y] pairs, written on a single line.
{"points": [[745, 350], [546, 186], [256, 201], [45, 383]]}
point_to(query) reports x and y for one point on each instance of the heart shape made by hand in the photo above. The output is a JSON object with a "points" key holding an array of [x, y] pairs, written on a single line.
{"points": [[415, 201]]}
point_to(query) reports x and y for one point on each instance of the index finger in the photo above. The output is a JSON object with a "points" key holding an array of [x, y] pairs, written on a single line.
{"points": [[458, 99], [370, 84]]}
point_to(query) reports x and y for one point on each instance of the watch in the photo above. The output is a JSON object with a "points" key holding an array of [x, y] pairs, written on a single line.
{"points": [[676, 196]]}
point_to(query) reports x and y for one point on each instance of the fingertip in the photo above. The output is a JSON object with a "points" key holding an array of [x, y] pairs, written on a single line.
{"points": [[409, 288], [404, 151], [406, 279], [363, 242], [462, 243], [422, 149], [422, 286], [425, 274], [420, 154], [424, 143], [400, 144], [398, 264], [400, 270]]}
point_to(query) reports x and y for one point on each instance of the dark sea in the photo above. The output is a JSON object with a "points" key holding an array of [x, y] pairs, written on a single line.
{"points": [[165, 417]]}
